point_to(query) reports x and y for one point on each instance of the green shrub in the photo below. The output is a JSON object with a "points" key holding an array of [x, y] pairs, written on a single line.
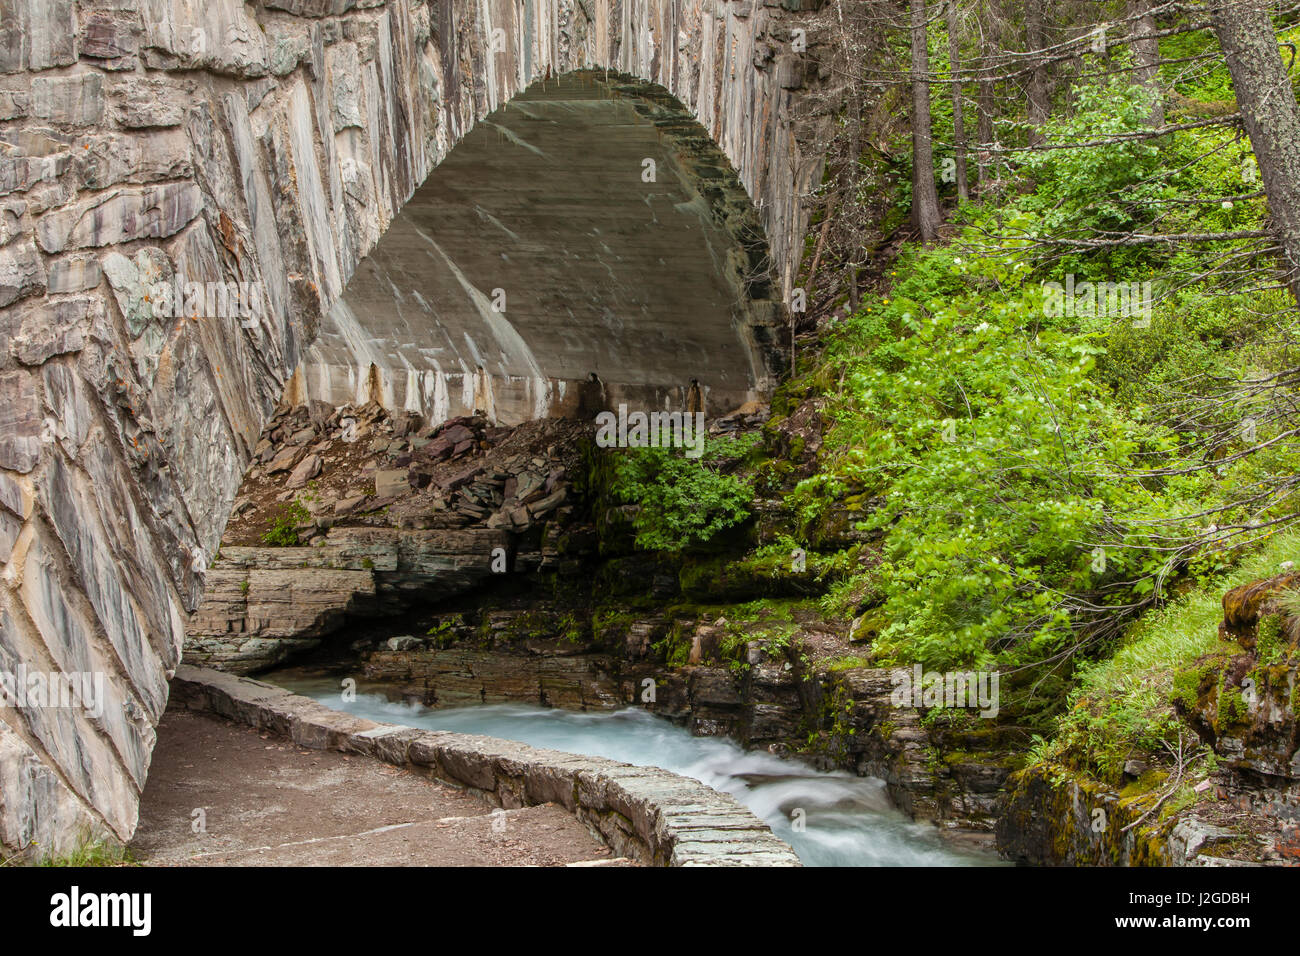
{"points": [[1040, 482], [681, 502], [283, 530]]}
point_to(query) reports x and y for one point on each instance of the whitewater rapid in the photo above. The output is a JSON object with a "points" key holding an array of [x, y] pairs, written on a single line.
{"points": [[830, 819]]}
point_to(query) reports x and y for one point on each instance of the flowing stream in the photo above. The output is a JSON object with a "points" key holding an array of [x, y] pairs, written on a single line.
{"points": [[846, 820]]}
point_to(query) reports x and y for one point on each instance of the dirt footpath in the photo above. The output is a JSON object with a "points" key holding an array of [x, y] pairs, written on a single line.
{"points": [[267, 802]]}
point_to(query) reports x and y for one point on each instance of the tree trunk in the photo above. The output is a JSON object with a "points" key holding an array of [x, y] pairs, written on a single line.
{"points": [[958, 112], [984, 106], [849, 189], [1146, 53], [1040, 83], [1269, 113], [925, 195]]}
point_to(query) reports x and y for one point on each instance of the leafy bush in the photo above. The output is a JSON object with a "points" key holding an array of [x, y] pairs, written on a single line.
{"points": [[988, 446], [283, 530], [1022, 455], [1103, 187], [682, 502]]}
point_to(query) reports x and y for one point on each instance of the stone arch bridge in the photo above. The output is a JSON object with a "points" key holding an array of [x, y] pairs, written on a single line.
{"points": [[274, 143]]}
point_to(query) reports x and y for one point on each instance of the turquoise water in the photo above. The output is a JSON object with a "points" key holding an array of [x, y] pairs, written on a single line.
{"points": [[846, 820]]}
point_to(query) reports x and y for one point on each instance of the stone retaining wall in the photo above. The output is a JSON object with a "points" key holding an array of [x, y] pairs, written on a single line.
{"points": [[655, 817]]}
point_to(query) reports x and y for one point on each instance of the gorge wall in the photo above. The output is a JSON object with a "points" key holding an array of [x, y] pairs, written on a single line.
{"points": [[270, 143]]}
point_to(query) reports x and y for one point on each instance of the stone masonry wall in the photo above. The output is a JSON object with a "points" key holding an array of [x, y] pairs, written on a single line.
{"points": [[262, 142]]}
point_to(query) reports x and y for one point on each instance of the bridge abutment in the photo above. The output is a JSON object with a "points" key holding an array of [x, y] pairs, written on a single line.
{"points": [[271, 144]]}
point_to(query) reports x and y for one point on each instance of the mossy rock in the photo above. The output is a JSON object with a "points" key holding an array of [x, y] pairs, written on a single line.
{"points": [[1245, 606], [1193, 686], [868, 626], [1232, 710], [722, 578], [1271, 645]]}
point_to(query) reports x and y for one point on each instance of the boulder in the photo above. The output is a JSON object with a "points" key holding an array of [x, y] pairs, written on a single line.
{"points": [[109, 37], [346, 506], [37, 34], [391, 483], [147, 102], [283, 460], [306, 470], [74, 274]]}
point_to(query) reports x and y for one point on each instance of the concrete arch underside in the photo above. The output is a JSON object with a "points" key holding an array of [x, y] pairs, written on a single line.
{"points": [[590, 226], [271, 143]]}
